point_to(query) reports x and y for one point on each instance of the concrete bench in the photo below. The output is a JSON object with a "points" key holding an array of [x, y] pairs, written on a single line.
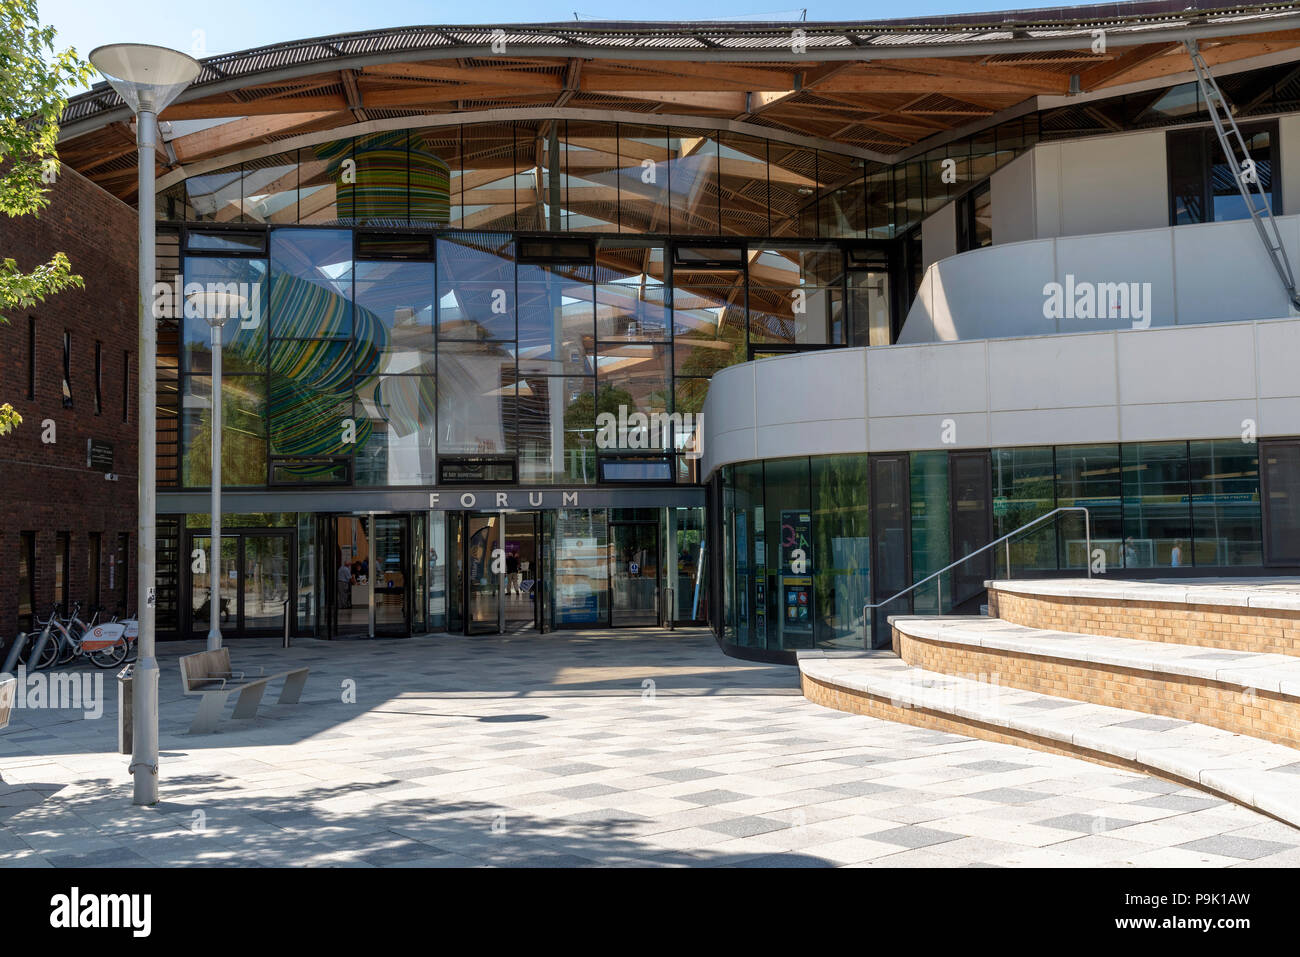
{"points": [[208, 674], [8, 691]]}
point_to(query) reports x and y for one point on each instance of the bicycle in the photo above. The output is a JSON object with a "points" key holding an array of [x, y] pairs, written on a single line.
{"points": [[104, 645]]}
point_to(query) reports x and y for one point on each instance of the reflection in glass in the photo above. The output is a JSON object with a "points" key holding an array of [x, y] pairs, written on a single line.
{"points": [[1226, 526], [395, 430], [556, 319], [311, 396], [311, 283], [631, 303], [271, 189], [395, 301], [557, 430], [1157, 507], [230, 289], [693, 182], [842, 537], [243, 430], [476, 276], [476, 397]]}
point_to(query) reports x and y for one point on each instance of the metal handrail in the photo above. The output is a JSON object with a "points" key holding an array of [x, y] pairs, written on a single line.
{"points": [[1087, 534]]}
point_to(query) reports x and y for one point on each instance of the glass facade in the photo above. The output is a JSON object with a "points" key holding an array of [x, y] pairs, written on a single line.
{"points": [[797, 533], [592, 177], [365, 358]]}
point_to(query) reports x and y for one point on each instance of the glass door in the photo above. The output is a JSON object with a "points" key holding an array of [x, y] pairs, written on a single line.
{"points": [[485, 575], [264, 581], [522, 565], [634, 574], [392, 574], [891, 534], [350, 577], [227, 572]]}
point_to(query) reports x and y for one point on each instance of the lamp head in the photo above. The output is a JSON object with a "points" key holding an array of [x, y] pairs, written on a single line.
{"points": [[146, 77]]}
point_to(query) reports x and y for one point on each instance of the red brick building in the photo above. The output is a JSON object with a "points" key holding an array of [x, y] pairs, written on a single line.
{"points": [[69, 366]]}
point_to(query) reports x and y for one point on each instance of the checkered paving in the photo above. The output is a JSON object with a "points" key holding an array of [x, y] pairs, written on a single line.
{"points": [[629, 748]]}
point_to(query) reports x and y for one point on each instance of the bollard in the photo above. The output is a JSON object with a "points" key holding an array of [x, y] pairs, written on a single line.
{"points": [[125, 711], [16, 649], [285, 642]]}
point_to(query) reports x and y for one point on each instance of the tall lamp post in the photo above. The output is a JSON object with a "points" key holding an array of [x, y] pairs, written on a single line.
{"points": [[147, 78]]}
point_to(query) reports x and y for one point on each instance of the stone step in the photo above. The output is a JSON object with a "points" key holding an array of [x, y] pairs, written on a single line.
{"points": [[1257, 615], [1243, 692], [1256, 773], [1248, 670]]}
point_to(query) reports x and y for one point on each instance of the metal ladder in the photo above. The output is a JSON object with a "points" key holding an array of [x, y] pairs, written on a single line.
{"points": [[1225, 126]]}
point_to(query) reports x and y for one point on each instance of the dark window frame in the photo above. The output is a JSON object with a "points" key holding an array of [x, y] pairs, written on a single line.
{"points": [[67, 368], [1179, 141], [27, 556], [31, 357], [99, 377]]}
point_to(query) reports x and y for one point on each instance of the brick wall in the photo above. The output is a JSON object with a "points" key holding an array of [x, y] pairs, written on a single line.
{"points": [[1232, 628], [47, 487]]}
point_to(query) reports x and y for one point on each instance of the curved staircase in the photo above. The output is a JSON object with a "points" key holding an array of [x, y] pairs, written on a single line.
{"points": [[1198, 682]]}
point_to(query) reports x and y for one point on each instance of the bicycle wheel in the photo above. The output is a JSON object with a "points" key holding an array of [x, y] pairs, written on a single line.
{"points": [[110, 657]]}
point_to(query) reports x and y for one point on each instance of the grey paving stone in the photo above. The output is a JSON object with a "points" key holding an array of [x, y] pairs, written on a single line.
{"points": [[859, 788], [994, 767], [747, 826], [588, 791], [684, 774], [914, 835], [709, 798], [1179, 802], [1226, 845], [1084, 823], [1009, 795]]}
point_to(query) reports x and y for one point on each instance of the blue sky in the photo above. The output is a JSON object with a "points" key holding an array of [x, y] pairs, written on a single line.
{"points": [[222, 26]]}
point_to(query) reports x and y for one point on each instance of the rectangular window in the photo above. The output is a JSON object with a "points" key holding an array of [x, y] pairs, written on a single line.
{"points": [[126, 386], [1202, 183], [1225, 505], [31, 357], [99, 377], [61, 569], [92, 573], [1281, 491], [26, 580], [67, 369], [975, 218]]}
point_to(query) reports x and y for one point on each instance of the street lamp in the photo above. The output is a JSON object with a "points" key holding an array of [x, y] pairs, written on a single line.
{"points": [[216, 307], [147, 78]]}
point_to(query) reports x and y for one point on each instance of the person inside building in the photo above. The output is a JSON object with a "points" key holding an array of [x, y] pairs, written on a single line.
{"points": [[512, 575], [345, 585]]}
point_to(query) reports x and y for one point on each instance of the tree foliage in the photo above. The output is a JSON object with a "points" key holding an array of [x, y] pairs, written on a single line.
{"points": [[33, 78]]}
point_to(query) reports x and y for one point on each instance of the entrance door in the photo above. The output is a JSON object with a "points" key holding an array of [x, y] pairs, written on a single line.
{"points": [[370, 589], [391, 598], [485, 583], [255, 569], [501, 564], [634, 574]]}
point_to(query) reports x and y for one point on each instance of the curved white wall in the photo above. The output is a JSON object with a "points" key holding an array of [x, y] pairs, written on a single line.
{"points": [[1188, 382], [1214, 272]]}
